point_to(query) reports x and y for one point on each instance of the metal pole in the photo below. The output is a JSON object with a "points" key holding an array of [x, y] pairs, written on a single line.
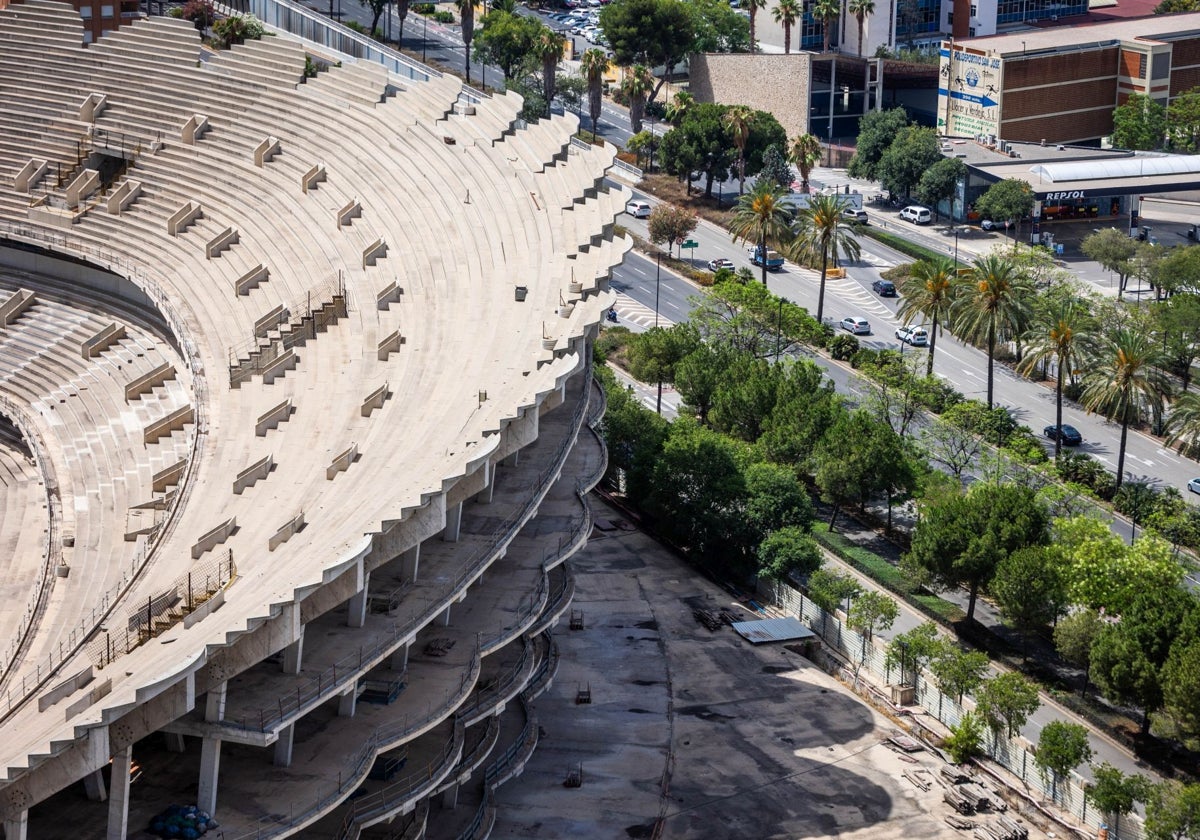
{"points": [[657, 288], [424, 37]]}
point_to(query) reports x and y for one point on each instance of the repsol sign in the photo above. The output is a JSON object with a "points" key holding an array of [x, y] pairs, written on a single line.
{"points": [[1063, 196]]}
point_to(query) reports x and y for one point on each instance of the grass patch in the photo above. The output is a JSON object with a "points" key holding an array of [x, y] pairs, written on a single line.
{"points": [[885, 574], [899, 243]]}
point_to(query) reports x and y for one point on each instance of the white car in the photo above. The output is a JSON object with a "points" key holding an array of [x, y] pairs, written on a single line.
{"points": [[856, 325], [915, 336], [988, 224], [638, 209], [917, 215], [1194, 485]]}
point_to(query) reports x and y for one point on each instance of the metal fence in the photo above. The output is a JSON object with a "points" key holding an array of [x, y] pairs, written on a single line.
{"points": [[867, 658]]}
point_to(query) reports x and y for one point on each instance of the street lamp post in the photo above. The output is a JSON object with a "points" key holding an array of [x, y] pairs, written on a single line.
{"points": [[653, 143], [657, 288], [424, 37], [778, 330], [954, 230]]}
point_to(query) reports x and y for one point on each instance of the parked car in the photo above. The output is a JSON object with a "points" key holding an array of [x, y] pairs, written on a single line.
{"points": [[719, 263], [859, 217], [1194, 485], [856, 325], [915, 336], [988, 224], [1069, 435], [884, 288], [916, 215], [638, 209]]}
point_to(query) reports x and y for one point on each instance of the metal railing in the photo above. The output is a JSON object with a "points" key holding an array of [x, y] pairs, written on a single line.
{"points": [[493, 694]]}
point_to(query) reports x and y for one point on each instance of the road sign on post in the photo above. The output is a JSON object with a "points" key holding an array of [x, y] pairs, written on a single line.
{"points": [[690, 243]]}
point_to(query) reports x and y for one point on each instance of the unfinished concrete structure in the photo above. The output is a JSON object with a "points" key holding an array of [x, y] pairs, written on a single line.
{"points": [[295, 374]]}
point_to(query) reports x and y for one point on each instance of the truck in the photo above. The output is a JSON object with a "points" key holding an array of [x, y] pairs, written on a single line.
{"points": [[774, 260]]}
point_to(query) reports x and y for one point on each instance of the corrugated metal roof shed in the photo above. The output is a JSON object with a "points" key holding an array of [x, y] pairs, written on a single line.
{"points": [[773, 630]]}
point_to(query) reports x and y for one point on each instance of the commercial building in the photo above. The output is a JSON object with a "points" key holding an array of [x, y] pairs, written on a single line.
{"points": [[1062, 84], [295, 387]]}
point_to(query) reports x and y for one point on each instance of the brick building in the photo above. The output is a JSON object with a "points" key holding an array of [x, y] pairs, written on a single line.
{"points": [[99, 16], [1062, 84]]}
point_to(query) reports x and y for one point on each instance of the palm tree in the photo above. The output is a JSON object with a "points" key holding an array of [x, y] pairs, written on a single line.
{"points": [[466, 10], [994, 304], [752, 6], [1125, 383], [861, 9], [762, 217], [738, 120], [826, 12], [1183, 424], [1061, 333], [805, 152], [593, 63], [928, 292], [678, 107], [823, 235], [637, 84], [786, 14], [550, 48]]}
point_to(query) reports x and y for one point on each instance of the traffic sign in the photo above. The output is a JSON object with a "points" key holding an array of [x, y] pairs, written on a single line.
{"points": [[690, 243]]}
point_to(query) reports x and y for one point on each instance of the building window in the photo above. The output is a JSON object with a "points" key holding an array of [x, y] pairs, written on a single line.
{"points": [[1142, 66], [1162, 66], [85, 12], [971, 32], [106, 11], [87, 36], [950, 18], [974, 11]]}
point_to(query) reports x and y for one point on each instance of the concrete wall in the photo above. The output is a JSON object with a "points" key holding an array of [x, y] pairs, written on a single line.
{"points": [[778, 84]]}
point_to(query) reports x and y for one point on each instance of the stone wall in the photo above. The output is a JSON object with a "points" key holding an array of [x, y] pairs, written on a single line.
{"points": [[775, 83]]}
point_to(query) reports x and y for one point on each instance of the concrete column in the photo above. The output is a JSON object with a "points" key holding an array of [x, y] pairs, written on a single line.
{"points": [[210, 769], [93, 786], [356, 609], [446, 617], [484, 496], [118, 800], [17, 828], [450, 796], [214, 706], [409, 561], [453, 523], [348, 702], [400, 659], [283, 746], [512, 460], [175, 742], [293, 655]]}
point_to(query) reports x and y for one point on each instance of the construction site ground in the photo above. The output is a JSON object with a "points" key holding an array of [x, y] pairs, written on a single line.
{"points": [[745, 741]]}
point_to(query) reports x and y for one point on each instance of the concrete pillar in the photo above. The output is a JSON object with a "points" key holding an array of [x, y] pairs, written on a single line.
{"points": [[283, 746], [17, 828], [356, 609], [293, 655], [348, 702], [484, 496], [512, 460], [118, 799], [93, 786], [214, 706], [409, 561], [210, 769], [453, 523], [175, 742], [446, 617], [450, 796], [400, 659]]}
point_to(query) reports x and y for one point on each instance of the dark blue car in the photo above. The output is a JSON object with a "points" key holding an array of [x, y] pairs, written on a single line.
{"points": [[1068, 434]]}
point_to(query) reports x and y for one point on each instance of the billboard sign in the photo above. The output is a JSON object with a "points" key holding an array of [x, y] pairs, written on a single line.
{"points": [[969, 86]]}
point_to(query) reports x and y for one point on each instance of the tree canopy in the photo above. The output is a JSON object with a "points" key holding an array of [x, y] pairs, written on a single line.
{"points": [[876, 131], [913, 152], [1140, 123], [650, 32]]}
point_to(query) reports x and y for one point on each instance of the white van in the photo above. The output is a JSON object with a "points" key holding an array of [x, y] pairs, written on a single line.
{"points": [[916, 215]]}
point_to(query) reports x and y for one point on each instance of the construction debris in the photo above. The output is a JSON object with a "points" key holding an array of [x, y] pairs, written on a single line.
{"points": [[920, 777], [1002, 828], [959, 823], [715, 619], [906, 743], [954, 774]]}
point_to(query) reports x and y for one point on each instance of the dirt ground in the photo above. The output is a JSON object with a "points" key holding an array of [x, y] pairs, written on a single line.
{"points": [[720, 738]]}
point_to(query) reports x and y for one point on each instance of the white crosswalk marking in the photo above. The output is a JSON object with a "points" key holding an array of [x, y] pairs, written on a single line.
{"points": [[876, 260], [851, 290], [629, 309]]}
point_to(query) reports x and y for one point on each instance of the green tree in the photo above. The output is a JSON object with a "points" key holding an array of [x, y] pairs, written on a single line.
{"points": [[738, 120], [775, 169], [870, 613], [1125, 383], [939, 182], [786, 552], [825, 12], [570, 89], [950, 445], [823, 235], [1030, 590], [1113, 793], [1167, 7], [861, 10], [1114, 250], [806, 406], [1171, 271], [831, 590], [1183, 424], [698, 375], [1128, 656], [636, 86], [644, 143], [654, 354], [744, 316], [928, 292], [1181, 677], [1172, 811], [908, 158], [508, 41], [962, 539], [1074, 635], [1006, 701], [909, 652], [719, 28], [592, 64], [1062, 747], [762, 217], [1139, 123], [876, 131], [1104, 573], [805, 152], [1011, 198], [993, 305], [1061, 333], [775, 500], [786, 13], [634, 437], [377, 8], [1183, 121], [549, 48], [670, 224], [958, 671], [966, 739], [850, 461], [679, 105], [466, 13], [650, 32]]}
